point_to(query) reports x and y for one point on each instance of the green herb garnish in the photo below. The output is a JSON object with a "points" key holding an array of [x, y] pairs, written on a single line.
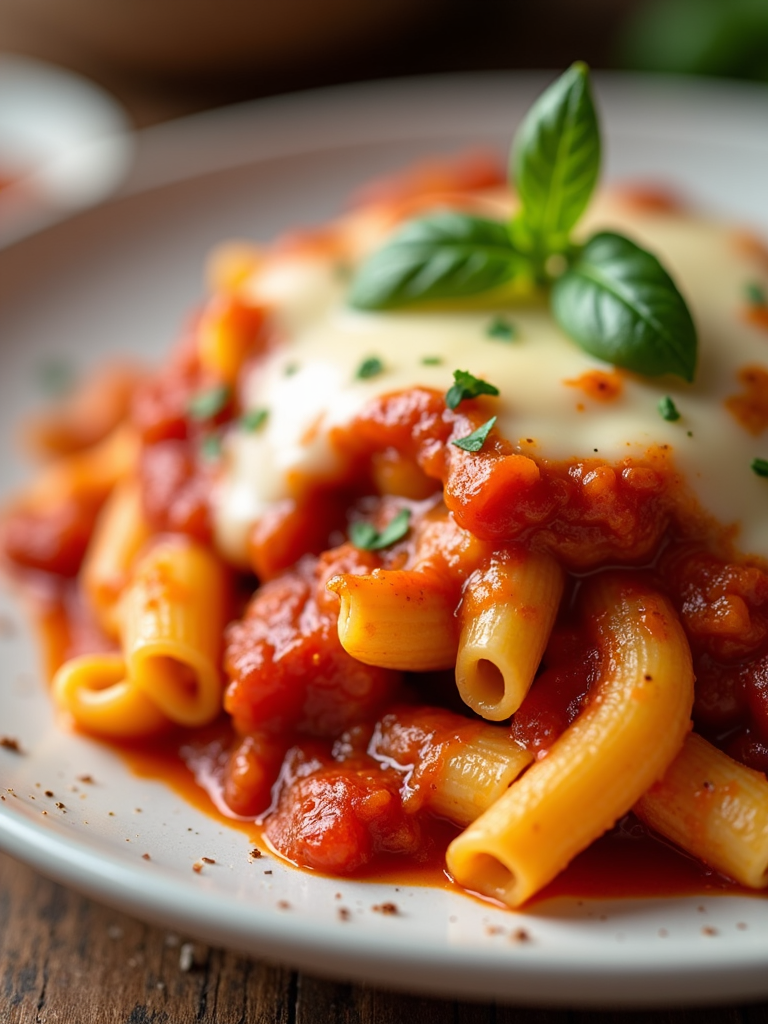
{"points": [[610, 296], [446, 255], [556, 162], [253, 419], [210, 447], [206, 404], [501, 329], [465, 385], [755, 294], [366, 537], [668, 410], [370, 367], [290, 369], [474, 442], [760, 467], [432, 361]]}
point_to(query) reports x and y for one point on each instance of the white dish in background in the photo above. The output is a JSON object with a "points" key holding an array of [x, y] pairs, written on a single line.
{"points": [[64, 144], [121, 278]]}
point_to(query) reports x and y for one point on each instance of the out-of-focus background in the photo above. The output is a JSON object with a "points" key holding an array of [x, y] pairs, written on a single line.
{"points": [[65, 144], [164, 58]]}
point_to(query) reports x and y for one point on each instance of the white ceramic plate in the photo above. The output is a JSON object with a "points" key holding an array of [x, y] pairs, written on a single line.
{"points": [[121, 278], [64, 144]]}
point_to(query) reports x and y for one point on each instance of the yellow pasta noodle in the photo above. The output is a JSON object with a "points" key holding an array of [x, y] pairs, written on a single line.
{"points": [[172, 622], [95, 691], [121, 532], [397, 618], [92, 472], [715, 808], [622, 742], [507, 614], [477, 775], [454, 765]]}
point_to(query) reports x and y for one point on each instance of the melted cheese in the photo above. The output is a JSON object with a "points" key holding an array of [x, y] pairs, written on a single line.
{"points": [[309, 384]]}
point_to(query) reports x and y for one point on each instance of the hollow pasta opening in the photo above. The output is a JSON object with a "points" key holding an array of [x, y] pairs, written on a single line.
{"points": [[177, 679], [492, 878], [489, 683]]}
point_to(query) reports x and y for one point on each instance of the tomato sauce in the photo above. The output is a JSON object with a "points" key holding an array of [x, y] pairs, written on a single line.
{"points": [[629, 862], [295, 697]]}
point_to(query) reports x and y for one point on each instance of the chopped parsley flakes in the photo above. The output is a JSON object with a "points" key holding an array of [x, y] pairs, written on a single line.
{"points": [[668, 410], [474, 442], [210, 447], [366, 537], [465, 385], [206, 404], [501, 329], [755, 294], [253, 419], [370, 367]]}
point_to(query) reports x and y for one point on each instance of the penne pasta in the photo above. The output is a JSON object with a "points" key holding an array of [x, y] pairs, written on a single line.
{"points": [[432, 474], [91, 473], [119, 535], [622, 742], [88, 416], [714, 808], [227, 335], [455, 766], [402, 619], [172, 618], [95, 691], [507, 613]]}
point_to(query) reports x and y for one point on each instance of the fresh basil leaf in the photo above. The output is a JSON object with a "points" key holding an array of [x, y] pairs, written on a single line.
{"points": [[474, 442], [466, 385], [366, 537], [556, 158], [444, 256], [760, 467], [619, 304]]}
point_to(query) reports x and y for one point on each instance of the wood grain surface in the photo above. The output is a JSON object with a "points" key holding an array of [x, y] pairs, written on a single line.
{"points": [[67, 959]]}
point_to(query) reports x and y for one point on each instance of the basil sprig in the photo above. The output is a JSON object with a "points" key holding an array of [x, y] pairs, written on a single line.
{"points": [[611, 297], [556, 161], [620, 304], [447, 255]]}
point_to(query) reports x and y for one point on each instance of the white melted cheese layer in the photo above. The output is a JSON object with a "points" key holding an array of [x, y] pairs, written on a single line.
{"points": [[309, 385]]}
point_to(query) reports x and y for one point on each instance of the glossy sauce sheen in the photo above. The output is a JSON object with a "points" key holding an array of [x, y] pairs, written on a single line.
{"points": [[626, 863], [573, 439]]}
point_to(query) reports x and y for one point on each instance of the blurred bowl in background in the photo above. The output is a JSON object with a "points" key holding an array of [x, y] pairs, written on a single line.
{"points": [[64, 144]]}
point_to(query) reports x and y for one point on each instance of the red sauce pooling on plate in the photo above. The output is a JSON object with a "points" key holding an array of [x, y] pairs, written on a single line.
{"points": [[628, 862]]}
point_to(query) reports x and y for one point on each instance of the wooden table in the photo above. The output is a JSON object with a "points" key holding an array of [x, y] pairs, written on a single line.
{"points": [[67, 959]]}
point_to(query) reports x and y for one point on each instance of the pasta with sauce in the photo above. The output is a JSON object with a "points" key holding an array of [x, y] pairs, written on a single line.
{"points": [[434, 560]]}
